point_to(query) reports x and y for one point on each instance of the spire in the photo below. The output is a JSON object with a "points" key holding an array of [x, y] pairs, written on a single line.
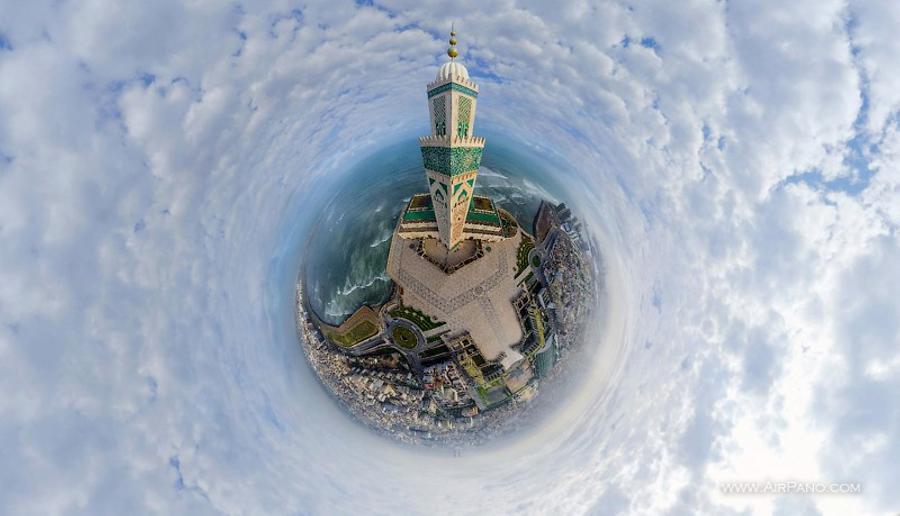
{"points": [[452, 153], [452, 50]]}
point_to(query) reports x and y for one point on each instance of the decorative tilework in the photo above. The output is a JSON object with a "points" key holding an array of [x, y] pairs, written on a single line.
{"points": [[452, 160], [452, 86], [439, 108], [463, 116]]}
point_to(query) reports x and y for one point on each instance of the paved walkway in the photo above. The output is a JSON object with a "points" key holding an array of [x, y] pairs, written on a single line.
{"points": [[476, 298]]}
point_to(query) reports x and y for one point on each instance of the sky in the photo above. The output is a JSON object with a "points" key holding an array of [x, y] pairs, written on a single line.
{"points": [[738, 162]]}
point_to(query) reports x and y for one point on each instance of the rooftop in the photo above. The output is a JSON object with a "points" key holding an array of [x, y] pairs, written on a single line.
{"points": [[481, 210]]}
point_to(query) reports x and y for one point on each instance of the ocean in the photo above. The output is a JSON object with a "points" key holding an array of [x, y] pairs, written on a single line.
{"points": [[346, 254]]}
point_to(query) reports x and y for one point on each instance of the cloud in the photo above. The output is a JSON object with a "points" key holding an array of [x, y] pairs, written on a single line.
{"points": [[740, 162]]}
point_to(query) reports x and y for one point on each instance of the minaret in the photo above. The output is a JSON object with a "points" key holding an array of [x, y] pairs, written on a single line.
{"points": [[451, 154]]}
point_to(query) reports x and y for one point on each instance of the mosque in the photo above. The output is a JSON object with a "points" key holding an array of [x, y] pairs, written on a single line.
{"points": [[472, 320], [454, 253]]}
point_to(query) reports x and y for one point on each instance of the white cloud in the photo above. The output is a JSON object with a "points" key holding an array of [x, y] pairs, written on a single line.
{"points": [[154, 158]]}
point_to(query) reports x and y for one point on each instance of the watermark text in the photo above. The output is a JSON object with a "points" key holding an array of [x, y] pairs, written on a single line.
{"points": [[790, 487]]}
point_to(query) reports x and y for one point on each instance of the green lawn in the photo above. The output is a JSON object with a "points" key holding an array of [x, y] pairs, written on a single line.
{"points": [[404, 337], [357, 334], [416, 317]]}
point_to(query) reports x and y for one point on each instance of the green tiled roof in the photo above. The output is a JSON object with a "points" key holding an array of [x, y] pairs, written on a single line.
{"points": [[474, 216], [483, 217], [418, 216]]}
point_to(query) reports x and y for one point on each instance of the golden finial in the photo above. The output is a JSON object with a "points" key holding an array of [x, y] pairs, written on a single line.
{"points": [[452, 50]]}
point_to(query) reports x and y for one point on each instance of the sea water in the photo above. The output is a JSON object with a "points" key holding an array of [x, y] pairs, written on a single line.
{"points": [[347, 251]]}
